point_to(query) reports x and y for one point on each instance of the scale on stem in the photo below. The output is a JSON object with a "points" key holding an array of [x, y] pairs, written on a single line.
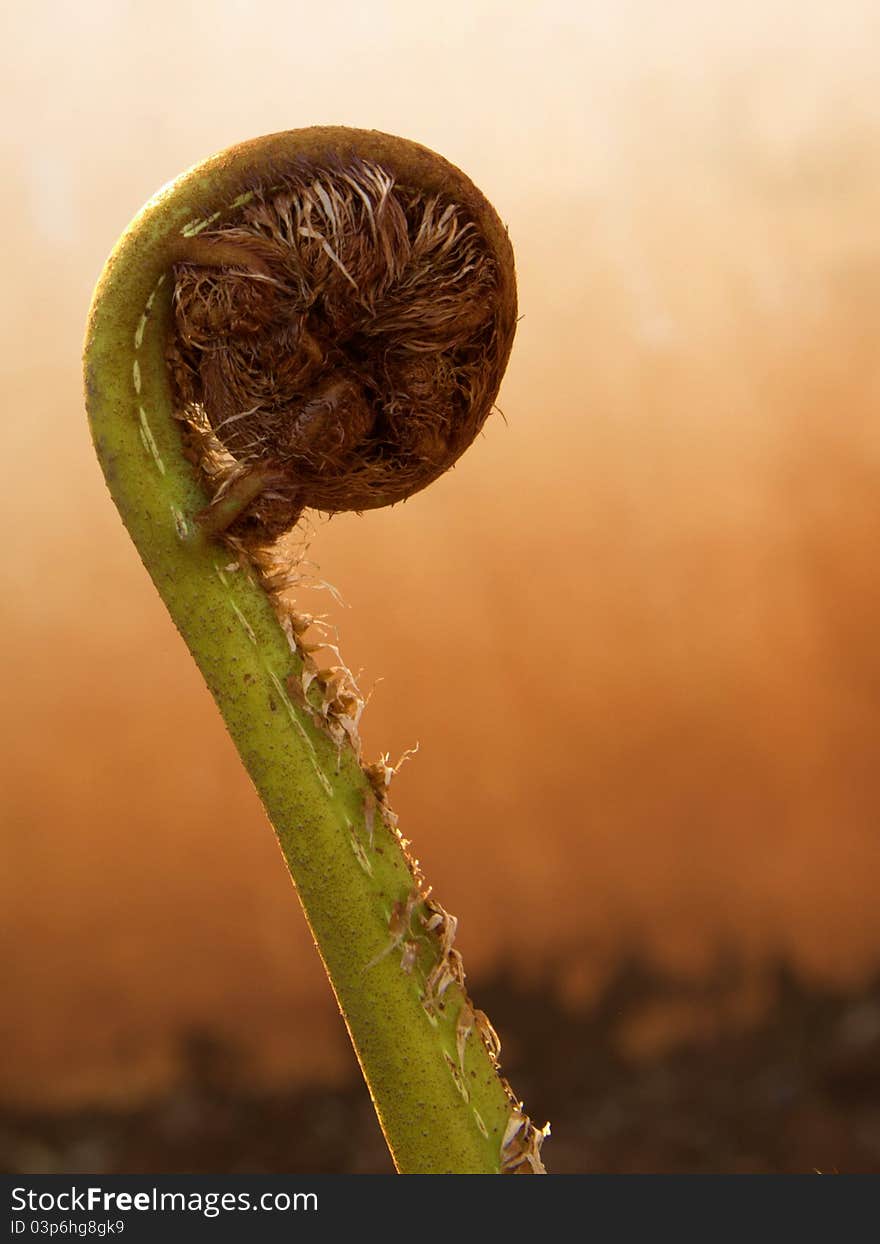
{"points": [[319, 318]]}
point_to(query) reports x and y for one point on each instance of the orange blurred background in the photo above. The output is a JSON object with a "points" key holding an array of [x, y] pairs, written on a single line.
{"points": [[634, 632]]}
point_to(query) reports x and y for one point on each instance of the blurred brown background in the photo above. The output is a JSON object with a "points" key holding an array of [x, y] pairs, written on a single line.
{"points": [[634, 632]]}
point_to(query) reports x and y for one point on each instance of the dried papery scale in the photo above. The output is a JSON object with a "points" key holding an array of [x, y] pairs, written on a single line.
{"points": [[315, 319]]}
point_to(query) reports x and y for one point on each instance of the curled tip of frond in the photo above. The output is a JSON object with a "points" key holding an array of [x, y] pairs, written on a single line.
{"points": [[344, 329]]}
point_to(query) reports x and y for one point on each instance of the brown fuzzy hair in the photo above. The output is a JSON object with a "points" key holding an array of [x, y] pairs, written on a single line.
{"points": [[341, 332]]}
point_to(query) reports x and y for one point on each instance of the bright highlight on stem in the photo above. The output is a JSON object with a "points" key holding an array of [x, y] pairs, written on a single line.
{"points": [[319, 318]]}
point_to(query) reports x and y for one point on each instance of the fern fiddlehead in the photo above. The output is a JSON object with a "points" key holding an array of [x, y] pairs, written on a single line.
{"points": [[319, 318]]}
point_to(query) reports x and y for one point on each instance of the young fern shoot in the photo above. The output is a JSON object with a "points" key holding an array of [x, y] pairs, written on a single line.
{"points": [[319, 318]]}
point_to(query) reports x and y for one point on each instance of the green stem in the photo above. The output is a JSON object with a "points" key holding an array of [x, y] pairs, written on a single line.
{"points": [[432, 1074]]}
